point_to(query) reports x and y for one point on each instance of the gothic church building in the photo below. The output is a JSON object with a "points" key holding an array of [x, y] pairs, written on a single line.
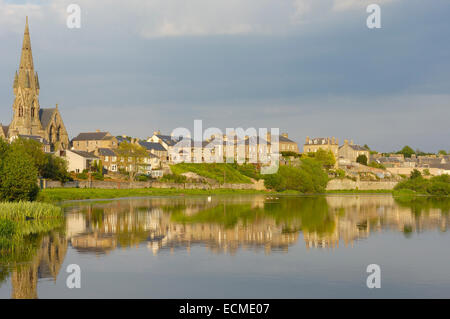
{"points": [[29, 119]]}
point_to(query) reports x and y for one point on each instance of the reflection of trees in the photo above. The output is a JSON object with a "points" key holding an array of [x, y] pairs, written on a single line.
{"points": [[423, 204]]}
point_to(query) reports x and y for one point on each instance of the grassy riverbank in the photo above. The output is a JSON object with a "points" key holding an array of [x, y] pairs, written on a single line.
{"points": [[51, 195], [62, 194], [21, 225], [360, 191]]}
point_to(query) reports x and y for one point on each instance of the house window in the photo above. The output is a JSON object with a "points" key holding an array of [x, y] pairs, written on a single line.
{"points": [[106, 158], [113, 159], [114, 168]]}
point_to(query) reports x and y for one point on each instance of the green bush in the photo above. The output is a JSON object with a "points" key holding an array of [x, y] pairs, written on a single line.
{"points": [[48, 165], [437, 185], [415, 174], [82, 175], [249, 170], [362, 159], [309, 177], [18, 175], [215, 171], [174, 178], [142, 178], [97, 176]]}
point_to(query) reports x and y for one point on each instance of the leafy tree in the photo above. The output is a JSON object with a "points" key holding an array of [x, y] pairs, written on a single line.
{"points": [[136, 153], [326, 158], [415, 174], [309, 177], [34, 150], [55, 168], [442, 152], [48, 165], [406, 151], [18, 175], [362, 159]]}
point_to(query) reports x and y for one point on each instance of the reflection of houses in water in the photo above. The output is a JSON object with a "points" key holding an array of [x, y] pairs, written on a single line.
{"points": [[120, 224], [46, 264], [261, 235], [357, 216], [128, 223]]}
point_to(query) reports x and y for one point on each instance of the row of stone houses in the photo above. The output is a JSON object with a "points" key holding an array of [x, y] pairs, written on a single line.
{"points": [[345, 154], [165, 149], [398, 164]]}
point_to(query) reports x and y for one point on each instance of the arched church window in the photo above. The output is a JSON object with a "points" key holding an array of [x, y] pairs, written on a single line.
{"points": [[32, 111], [20, 111]]}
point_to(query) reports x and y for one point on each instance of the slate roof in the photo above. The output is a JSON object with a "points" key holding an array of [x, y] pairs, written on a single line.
{"points": [[257, 140], [152, 146], [37, 138], [45, 116], [284, 139], [169, 140], [389, 160], [106, 152], [84, 154], [357, 147], [121, 139], [5, 129], [90, 136]]}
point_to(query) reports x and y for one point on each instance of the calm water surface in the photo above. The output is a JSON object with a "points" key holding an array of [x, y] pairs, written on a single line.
{"points": [[238, 247]]}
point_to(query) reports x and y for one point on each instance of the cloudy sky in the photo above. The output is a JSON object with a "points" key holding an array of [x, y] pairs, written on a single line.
{"points": [[309, 67]]}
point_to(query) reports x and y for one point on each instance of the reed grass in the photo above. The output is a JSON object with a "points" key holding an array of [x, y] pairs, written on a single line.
{"points": [[22, 211]]}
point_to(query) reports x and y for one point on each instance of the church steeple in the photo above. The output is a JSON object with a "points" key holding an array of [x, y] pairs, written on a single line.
{"points": [[26, 67], [28, 117], [26, 90]]}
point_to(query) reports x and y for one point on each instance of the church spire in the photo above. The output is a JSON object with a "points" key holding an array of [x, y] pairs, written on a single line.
{"points": [[26, 67]]}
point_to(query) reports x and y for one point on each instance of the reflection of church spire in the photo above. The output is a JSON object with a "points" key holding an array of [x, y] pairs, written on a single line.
{"points": [[45, 264]]}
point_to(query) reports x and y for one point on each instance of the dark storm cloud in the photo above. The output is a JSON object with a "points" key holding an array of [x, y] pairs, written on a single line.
{"points": [[327, 77]]}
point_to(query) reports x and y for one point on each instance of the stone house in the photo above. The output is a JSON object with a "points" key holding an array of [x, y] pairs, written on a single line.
{"points": [[108, 158], [325, 143], [91, 141], [349, 152], [285, 144], [156, 149]]}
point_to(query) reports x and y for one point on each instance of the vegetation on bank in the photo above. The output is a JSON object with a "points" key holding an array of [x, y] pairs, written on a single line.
{"points": [[62, 194], [219, 172], [21, 162], [418, 185], [21, 225], [308, 177]]}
